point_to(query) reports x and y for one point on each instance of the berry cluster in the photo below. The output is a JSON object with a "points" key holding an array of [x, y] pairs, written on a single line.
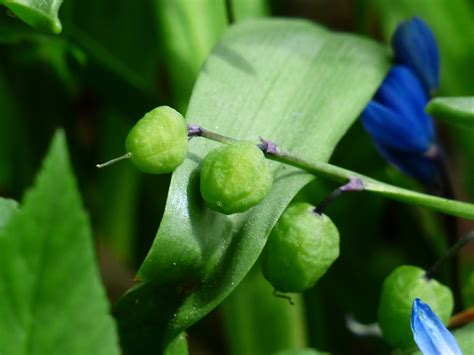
{"points": [[234, 178], [304, 243]]}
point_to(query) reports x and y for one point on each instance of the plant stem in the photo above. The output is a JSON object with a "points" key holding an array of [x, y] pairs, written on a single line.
{"points": [[451, 252], [113, 161], [198, 131], [354, 184], [335, 173]]}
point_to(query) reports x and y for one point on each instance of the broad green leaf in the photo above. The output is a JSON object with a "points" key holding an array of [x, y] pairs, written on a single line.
{"points": [[465, 337], [244, 9], [455, 110], [289, 81], [51, 299], [7, 210], [39, 14]]}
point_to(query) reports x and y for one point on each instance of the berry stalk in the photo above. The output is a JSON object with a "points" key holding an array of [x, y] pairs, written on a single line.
{"points": [[341, 175], [449, 253]]}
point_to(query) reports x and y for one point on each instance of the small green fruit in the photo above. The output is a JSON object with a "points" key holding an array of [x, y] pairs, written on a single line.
{"points": [[235, 178], [399, 290], [158, 143], [300, 249]]}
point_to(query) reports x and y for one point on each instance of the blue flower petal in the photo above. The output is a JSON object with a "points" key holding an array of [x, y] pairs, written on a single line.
{"points": [[402, 92], [424, 169], [415, 46], [429, 332], [393, 130]]}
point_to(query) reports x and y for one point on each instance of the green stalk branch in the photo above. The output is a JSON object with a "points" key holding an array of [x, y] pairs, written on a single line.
{"points": [[450, 253], [341, 175]]}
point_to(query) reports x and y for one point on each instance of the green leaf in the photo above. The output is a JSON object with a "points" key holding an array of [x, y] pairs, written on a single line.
{"points": [[178, 346], [455, 110], [7, 210], [289, 81], [51, 299], [189, 30], [463, 336], [39, 14], [244, 9]]}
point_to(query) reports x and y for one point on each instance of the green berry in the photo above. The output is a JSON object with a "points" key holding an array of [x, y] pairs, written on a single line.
{"points": [[300, 249], [235, 178], [399, 290], [158, 143]]}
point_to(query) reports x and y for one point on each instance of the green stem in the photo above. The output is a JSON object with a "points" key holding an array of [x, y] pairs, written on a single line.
{"points": [[354, 184], [451, 252], [335, 173], [113, 161], [198, 131]]}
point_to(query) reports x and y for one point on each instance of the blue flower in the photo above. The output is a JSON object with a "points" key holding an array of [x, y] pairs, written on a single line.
{"points": [[396, 117], [424, 169], [415, 46], [401, 130], [429, 332]]}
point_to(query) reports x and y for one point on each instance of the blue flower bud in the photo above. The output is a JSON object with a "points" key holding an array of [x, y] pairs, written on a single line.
{"points": [[415, 46], [429, 332], [401, 130], [396, 117], [402, 92]]}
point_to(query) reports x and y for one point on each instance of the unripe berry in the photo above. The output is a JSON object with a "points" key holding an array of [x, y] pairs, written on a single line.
{"points": [[399, 290], [158, 143], [235, 178], [300, 249]]}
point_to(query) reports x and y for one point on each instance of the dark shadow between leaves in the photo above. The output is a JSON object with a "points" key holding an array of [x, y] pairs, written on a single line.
{"points": [[233, 59]]}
